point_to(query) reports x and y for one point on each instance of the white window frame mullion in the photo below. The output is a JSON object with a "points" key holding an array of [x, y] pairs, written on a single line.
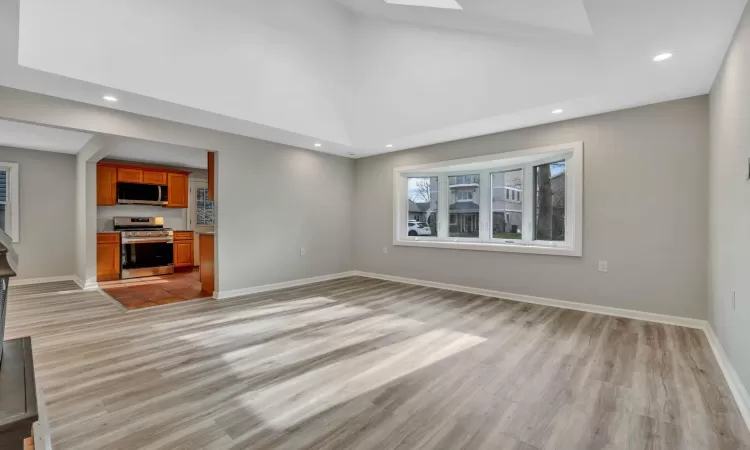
{"points": [[529, 204], [443, 214], [485, 206]]}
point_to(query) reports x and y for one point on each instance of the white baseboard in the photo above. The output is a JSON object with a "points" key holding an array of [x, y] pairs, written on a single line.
{"points": [[89, 286], [286, 284], [27, 281], [738, 389], [597, 309]]}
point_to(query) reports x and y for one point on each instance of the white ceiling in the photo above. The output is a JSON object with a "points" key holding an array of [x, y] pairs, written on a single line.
{"points": [[158, 153], [449, 4], [35, 137], [501, 17], [356, 75]]}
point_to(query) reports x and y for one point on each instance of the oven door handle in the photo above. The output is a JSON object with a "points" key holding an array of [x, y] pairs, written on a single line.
{"points": [[148, 241]]}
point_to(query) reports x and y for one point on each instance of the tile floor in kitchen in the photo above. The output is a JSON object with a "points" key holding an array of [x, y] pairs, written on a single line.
{"points": [[136, 293]]}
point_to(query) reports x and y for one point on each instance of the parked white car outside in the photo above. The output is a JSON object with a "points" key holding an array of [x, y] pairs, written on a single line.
{"points": [[418, 228]]}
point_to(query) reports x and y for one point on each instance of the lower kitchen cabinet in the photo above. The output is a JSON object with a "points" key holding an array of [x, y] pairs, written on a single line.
{"points": [[183, 249], [107, 256]]}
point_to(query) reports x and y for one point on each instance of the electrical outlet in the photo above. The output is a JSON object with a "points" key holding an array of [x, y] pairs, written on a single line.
{"points": [[734, 300], [302, 251], [385, 250], [603, 266]]}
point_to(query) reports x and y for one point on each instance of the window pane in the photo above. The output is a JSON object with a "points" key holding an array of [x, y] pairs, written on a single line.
{"points": [[549, 220], [423, 206], [507, 204], [204, 208], [3, 199], [3, 186], [463, 206]]}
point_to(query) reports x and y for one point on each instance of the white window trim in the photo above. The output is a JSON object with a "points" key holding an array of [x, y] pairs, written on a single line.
{"points": [[572, 153], [12, 219]]}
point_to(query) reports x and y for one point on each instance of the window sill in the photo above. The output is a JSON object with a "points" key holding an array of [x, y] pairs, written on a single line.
{"points": [[499, 247]]}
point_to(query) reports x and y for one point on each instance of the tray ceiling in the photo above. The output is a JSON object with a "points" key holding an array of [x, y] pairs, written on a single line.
{"points": [[364, 76]]}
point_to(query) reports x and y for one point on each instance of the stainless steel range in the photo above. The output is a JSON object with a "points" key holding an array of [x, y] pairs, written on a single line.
{"points": [[146, 246]]}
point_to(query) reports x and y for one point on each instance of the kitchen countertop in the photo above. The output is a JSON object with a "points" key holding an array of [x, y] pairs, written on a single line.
{"points": [[207, 233]]}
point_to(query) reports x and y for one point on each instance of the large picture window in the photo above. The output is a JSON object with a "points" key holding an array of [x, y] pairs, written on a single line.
{"points": [[527, 201]]}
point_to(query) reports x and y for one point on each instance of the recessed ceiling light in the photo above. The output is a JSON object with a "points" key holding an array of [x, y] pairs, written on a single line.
{"points": [[389, 146], [351, 154], [445, 4], [318, 144], [557, 111], [110, 98], [662, 57]]}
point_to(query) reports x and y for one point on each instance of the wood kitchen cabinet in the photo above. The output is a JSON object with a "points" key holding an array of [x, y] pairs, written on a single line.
{"points": [[177, 190], [109, 173], [183, 249], [155, 177], [106, 185], [107, 256], [129, 175]]}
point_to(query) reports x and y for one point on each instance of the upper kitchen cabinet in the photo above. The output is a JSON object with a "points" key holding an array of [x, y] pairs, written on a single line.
{"points": [[129, 175], [177, 190], [106, 185], [110, 173], [155, 177]]}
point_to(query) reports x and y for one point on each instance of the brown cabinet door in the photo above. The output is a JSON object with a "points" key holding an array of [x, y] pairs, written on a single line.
{"points": [[152, 177], [183, 235], [129, 175], [177, 194], [108, 257], [106, 185], [183, 253]]}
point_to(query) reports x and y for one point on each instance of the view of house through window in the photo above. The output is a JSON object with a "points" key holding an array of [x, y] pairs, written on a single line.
{"points": [[549, 219], [463, 206], [423, 206], [507, 204]]}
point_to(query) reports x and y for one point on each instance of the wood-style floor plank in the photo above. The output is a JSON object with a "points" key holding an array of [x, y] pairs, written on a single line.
{"points": [[359, 363]]}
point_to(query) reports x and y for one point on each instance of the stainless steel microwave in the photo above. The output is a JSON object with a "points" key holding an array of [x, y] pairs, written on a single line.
{"points": [[141, 194]]}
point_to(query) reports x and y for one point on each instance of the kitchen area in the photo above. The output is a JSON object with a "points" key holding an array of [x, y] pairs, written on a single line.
{"points": [[155, 232]]}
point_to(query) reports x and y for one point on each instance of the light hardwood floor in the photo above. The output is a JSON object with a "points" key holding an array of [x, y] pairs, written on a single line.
{"points": [[360, 363]]}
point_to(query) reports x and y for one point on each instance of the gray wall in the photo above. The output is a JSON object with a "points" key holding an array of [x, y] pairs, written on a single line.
{"points": [[644, 211], [272, 198], [275, 200], [730, 202], [47, 183]]}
